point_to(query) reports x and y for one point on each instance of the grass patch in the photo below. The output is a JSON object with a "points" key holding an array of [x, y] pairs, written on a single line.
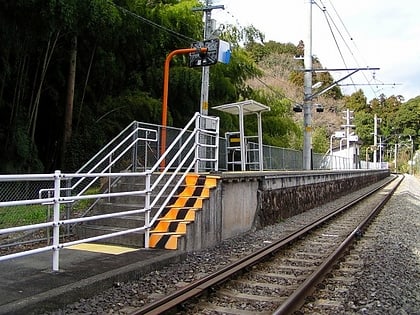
{"points": [[32, 214], [22, 215]]}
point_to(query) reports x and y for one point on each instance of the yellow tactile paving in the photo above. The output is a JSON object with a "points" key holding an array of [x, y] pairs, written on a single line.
{"points": [[101, 248]]}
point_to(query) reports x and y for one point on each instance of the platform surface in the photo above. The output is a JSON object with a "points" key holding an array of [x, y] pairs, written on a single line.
{"points": [[29, 285]]}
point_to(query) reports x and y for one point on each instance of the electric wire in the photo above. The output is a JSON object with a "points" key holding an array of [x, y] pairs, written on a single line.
{"points": [[323, 8], [330, 20], [345, 42], [189, 40], [326, 16], [347, 31], [354, 44], [158, 26], [283, 96]]}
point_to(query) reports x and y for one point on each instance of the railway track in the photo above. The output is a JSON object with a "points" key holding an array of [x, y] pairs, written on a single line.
{"points": [[277, 278]]}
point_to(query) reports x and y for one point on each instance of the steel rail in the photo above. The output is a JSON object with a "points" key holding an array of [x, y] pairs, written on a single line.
{"points": [[297, 299], [200, 286]]}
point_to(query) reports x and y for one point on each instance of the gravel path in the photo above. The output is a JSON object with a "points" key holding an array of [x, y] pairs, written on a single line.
{"points": [[392, 263]]}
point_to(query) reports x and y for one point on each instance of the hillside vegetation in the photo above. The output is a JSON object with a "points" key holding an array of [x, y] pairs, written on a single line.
{"points": [[74, 73]]}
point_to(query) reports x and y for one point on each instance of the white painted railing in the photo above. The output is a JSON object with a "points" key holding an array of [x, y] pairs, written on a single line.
{"points": [[164, 183]]}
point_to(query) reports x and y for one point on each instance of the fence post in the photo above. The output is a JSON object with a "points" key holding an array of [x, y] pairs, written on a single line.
{"points": [[56, 218]]}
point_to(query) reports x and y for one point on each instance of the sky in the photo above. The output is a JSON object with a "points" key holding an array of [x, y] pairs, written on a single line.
{"points": [[381, 34]]}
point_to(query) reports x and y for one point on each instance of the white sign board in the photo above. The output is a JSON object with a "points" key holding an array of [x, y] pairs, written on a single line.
{"points": [[354, 138], [339, 134], [224, 52]]}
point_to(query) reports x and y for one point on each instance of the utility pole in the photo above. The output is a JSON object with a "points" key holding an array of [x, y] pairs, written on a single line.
{"points": [[307, 85], [348, 118], [208, 30], [375, 139], [412, 156], [205, 74], [307, 101]]}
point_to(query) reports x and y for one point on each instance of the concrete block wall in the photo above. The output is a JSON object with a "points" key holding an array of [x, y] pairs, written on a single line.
{"points": [[206, 230], [252, 200], [282, 203]]}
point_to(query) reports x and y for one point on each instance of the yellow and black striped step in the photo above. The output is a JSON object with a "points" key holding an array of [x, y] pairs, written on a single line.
{"points": [[179, 227], [164, 240], [174, 219], [187, 202], [178, 214], [201, 180]]}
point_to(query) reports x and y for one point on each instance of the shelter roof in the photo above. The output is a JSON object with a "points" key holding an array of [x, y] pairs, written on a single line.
{"points": [[248, 107]]}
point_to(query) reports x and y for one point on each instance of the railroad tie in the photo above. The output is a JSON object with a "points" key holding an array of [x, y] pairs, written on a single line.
{"points": [[174, 219]]}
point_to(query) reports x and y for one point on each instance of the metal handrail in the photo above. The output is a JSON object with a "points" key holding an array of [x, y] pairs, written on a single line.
{"points": [[60, 196]]}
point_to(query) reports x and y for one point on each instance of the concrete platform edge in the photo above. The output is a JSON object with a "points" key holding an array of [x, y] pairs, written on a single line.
{"points": [[60, 296]]}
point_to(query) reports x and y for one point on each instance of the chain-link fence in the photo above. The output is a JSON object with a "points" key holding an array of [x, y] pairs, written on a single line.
{"points": [[137, 148], [25, 213]]}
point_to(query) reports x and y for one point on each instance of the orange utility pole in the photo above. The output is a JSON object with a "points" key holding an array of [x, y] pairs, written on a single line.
{"points": [[165, 94]]}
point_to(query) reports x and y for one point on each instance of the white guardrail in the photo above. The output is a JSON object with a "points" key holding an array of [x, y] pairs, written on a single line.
{"points": [[159, 186]]}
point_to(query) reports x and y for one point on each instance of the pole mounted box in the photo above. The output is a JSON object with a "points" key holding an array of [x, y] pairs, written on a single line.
{"points": [[217, 51]]}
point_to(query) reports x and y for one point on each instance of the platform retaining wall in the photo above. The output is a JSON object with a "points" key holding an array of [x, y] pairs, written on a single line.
{"points": [[252, 200]]}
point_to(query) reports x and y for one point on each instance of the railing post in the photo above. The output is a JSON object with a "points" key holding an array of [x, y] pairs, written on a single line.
{"points": [[197, 143], [109, 177], [147, 213], [134, 152], [56, 218], [146, 145], [69, 206], [216, 151]]}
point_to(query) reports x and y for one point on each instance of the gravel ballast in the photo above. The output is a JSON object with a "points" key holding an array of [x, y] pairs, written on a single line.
{"points": [[390, 278]]}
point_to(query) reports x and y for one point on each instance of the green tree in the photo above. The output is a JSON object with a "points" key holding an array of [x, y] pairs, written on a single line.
{"points": [[279, 129], [356, 101], [320, 140], [408, 118]]}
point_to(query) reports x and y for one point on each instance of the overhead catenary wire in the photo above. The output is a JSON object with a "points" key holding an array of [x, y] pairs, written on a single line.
{"points": [[345, 42], [355, 46], [328, 19]]}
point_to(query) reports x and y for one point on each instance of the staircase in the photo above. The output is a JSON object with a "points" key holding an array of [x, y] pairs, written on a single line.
{"points": [[153, 207], [181, 211], [171, 225], [120, 223]]}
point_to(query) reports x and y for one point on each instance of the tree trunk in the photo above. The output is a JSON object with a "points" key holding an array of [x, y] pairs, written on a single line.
{"points": [[34, 107], [68, 118], [84, 87]]}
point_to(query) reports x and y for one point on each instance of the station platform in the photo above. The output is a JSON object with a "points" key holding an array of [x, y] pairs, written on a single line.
{"points": [[29, 286]]}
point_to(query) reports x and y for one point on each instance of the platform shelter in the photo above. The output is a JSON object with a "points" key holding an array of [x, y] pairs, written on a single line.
{"points": [[244, 152]]}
